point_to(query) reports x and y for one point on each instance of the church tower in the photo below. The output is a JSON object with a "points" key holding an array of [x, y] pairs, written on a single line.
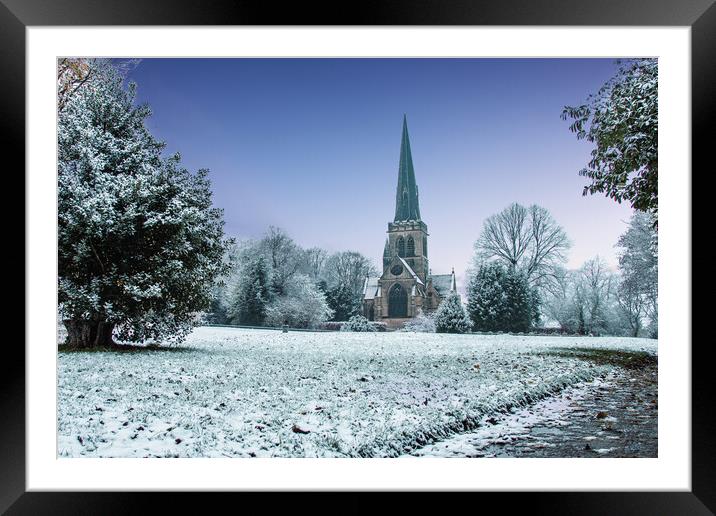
{"points": [[406, 285], [407, 234]]}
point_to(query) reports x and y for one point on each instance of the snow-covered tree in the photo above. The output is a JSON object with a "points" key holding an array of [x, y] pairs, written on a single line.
{"points": [[343, 302], [139, 242], [499, 299], [621, 119], [313, 261], [303, 305], [283, 255], [594, 298], [450, 317], [638, 265], [528, 240], [349, 268], [252, 293], [557, 298]]}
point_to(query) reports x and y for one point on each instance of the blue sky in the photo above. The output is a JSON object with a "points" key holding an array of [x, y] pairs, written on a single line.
{"points": [[312, 145]]}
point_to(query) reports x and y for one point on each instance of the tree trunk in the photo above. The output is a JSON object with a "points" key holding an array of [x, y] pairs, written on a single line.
{"points": [[82, 334]]}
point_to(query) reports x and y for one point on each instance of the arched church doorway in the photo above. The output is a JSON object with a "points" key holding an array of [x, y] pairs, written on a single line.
{"points": [[398, 302]]}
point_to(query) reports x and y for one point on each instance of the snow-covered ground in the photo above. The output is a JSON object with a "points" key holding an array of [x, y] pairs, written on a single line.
{"points": [[245, 393]]}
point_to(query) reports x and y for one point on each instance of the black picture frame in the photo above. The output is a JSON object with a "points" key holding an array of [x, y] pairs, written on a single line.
{"points": [[700, 15]]}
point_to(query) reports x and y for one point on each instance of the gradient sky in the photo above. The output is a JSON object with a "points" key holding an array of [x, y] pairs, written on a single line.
{"points": [[312, 145]]}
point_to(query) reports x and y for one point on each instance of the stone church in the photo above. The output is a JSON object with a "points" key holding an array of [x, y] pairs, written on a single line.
{"points": [[407, 284]]}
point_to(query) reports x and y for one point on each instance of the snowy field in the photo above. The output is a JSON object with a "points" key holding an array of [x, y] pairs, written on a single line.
{"points": [[263, 393]]}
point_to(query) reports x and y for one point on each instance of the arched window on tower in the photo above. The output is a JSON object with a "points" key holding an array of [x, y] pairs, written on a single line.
{"points": [[425, 246], [401, 247], [411, 246]]}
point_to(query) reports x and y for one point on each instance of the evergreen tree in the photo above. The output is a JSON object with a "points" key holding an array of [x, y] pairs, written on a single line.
{"points": [[519, 301], [139, 243], [252, 294], [500, 299], [343, 302], [487, 299], [451, 317]]}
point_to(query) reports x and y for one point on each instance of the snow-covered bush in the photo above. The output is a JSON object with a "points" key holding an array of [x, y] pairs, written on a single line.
{"points": [[358, 323], [421, 323], [379, 326], [331, 325], [302, 306], [451, 317]]}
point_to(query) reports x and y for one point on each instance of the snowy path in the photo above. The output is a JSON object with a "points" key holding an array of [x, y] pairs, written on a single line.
{"points": [[612, 417], [260, 393]]}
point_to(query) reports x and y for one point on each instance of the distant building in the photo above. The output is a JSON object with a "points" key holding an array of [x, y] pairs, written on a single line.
{"points": [[407, 284]]}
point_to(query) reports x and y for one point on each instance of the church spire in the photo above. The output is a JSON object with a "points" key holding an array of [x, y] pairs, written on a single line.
{"points": [[406, 198]]}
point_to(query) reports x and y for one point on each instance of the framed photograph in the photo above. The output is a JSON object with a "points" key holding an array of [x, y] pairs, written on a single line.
{"points": [[411, 249]]}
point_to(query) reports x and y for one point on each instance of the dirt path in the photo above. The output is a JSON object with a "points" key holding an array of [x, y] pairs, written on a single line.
{"points": [[611, 417]]}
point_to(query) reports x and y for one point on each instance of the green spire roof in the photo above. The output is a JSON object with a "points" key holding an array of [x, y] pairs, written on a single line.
{"points": [[406, 197]]}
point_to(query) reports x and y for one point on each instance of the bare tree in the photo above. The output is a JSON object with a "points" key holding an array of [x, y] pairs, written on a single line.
{"points": [[638, 263], [283, 255], [528, 239], [349, 268], [72, 74], [632, 305], [593, 298], [557, 299], [76, 73], [314, 261]]}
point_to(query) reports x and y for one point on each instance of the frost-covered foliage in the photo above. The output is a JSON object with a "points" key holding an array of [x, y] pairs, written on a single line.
{"points": [[500, 299], [335, 280], [252, 293], [139, 242], [244, 393], [594, 299], [303, 305], [421, 323], [358, 323], [621, 119], [585, 301], [451, 317], [638, 289], [283, 255], [343, 302]]}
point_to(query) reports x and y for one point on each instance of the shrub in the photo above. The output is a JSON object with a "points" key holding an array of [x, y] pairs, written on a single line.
{"points": [[358, 323], [421, 323]]}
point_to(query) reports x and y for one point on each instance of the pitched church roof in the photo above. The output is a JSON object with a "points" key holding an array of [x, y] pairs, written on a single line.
{"points": [[443, 283], [411, 271], [406, 196], [371, 288]]}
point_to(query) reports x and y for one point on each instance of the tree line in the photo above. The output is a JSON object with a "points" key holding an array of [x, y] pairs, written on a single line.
{"points": [[518, 281], [276, 282]]}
